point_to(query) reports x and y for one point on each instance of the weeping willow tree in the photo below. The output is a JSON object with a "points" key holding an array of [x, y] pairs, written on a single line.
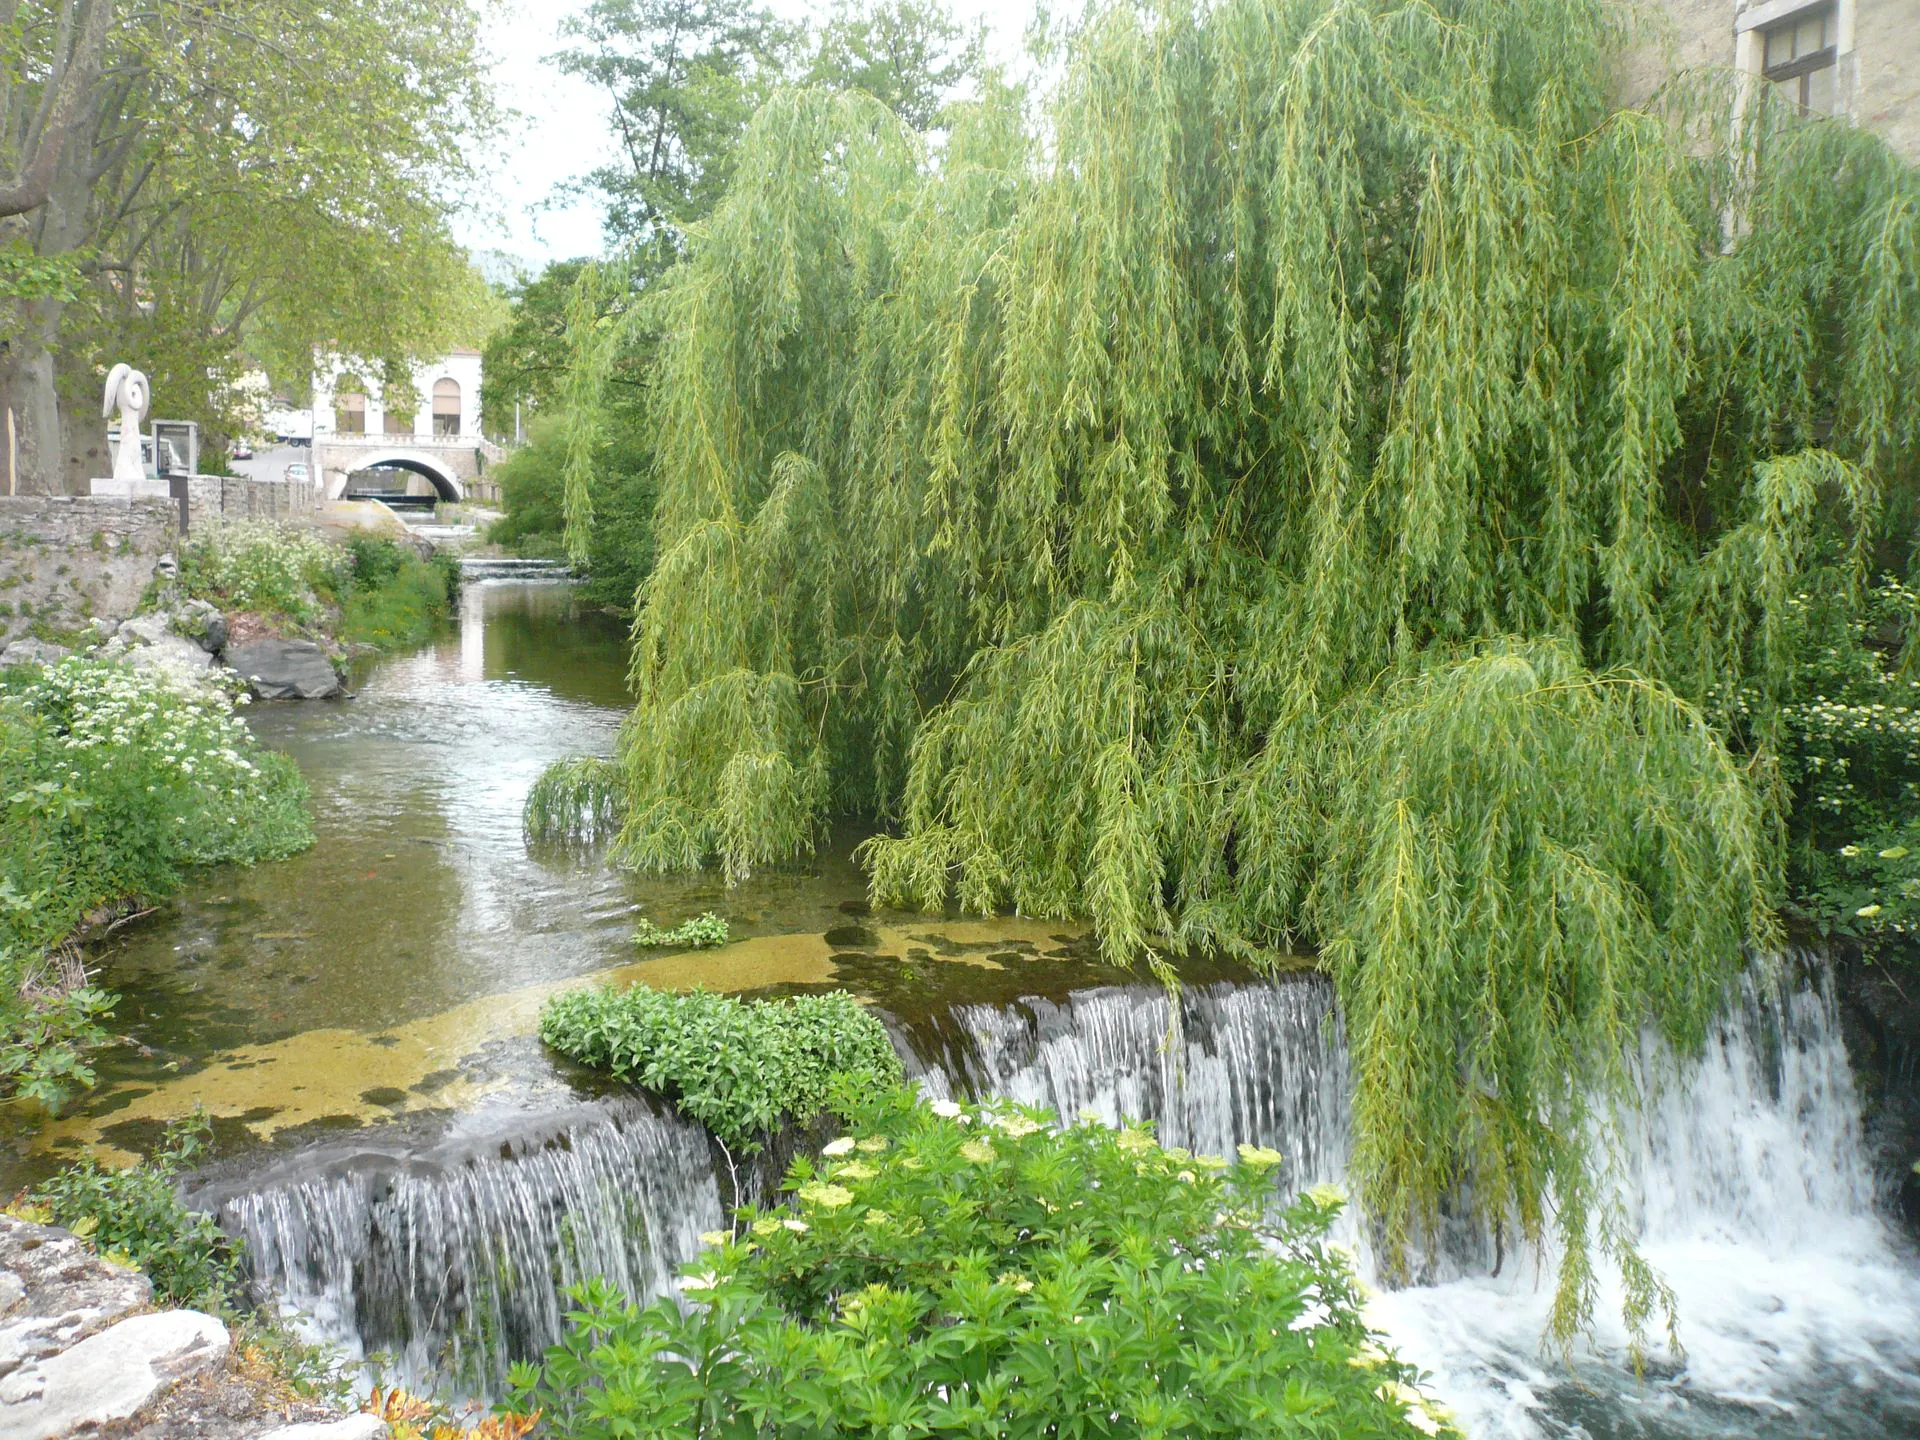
{"points": [[1315, 482]]}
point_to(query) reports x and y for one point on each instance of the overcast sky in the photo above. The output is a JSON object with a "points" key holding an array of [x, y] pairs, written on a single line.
{"points": [[563, 132]]}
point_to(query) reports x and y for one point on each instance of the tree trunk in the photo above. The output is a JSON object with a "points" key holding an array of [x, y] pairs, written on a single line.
{"points": [[27, 389]]}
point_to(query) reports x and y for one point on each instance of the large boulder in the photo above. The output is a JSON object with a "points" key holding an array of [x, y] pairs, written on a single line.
{"points": [[285, 669], [28, 651], [55, 1292], [201, 621], [149, 642], [110, 1376]]}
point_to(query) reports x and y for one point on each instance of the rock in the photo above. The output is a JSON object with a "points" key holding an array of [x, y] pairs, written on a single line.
{"points": [[353, 1427], [32, 652], [55, 1292], [201, 621], [285, 669], [110, 1376], [149, 642]]}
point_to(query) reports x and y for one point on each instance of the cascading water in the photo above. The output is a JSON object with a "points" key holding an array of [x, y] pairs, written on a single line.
{"points": [[1745, 1176], [454, 1266], [1799, 1311], [1258, 1063]]}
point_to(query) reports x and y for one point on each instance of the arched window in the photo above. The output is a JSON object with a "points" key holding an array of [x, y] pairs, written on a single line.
{"points": [[350, 414], [446, 407]]}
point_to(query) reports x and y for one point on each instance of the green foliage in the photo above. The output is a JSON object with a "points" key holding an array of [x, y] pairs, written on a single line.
{"points": [[619, 541], [684, 76], [525, 359], [1512, 866], [135, 1214], [1323, 375], [910, 55], [392, 598], [579, 798], [267, 204], [740, 1067], [111, 782], [281, 571], [1849, 730], [375, 591], [982, 1273], [703, 932], [26, 276]]}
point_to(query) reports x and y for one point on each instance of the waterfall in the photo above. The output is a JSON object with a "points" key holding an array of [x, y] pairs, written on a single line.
{"points": [[450, 1266], [1744, 1175], [1260, 1063]]}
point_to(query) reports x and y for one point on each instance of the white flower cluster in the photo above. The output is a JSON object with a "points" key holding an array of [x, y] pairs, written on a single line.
{"points": [[99, 706], [255, 565]]}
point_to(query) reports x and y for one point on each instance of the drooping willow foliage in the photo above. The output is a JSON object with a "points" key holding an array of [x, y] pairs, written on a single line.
{"points": [[1311, 485]]}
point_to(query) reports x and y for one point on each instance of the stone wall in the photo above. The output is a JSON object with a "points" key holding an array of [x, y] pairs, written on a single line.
{"points": [[1878, 63], [238, 497], [1887, 51], [66, 559]]}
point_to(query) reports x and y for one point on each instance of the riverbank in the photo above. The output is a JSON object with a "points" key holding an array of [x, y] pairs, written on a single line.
{"points": [[416, 1175]]}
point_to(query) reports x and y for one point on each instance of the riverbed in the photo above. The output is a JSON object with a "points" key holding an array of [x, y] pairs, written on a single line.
{"points": [[419, 1180]]}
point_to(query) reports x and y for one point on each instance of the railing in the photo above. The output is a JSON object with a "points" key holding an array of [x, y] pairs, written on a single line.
{"points": [[374, 440]]}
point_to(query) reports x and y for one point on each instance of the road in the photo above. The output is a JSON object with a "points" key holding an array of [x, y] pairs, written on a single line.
{"points": [[271, 464]]}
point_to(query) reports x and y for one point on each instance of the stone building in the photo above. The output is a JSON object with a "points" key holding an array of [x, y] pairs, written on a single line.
{"points": [[1857, 58]]}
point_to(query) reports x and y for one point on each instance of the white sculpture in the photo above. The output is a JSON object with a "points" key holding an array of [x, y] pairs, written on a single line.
{"points": [[128, 389]]}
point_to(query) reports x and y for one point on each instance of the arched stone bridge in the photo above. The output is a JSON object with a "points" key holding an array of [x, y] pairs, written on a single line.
{"points": [[455, 465]]}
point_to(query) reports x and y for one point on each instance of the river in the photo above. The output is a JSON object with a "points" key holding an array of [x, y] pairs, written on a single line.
{"points": [[417, 1178]]}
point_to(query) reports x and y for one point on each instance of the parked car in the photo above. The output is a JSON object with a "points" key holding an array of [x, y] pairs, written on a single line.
{"points": [[298, 472], [242, 450]]}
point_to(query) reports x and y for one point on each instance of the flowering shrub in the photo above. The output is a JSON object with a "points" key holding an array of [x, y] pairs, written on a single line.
{"points": [[978, 1272], [111, 780], [283, 571], [740, 1067], [1850, 740]]}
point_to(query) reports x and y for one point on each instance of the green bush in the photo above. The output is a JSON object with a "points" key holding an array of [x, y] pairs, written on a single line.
{"points": [[620, 538], [392, 599], [971, 1272], [135, 1214], [740, 1067], [111, 781], [1849, 743], [280, 571], [703, 932]]}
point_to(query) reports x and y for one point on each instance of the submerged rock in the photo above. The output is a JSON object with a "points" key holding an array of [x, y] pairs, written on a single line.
{"points": [[285, 669]]}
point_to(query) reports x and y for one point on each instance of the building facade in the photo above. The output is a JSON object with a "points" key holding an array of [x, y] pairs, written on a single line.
{"points": [[444, 404], [1854, 58]]}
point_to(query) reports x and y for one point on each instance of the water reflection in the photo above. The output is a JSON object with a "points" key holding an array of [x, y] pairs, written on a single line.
{"points": [[400, 963]]}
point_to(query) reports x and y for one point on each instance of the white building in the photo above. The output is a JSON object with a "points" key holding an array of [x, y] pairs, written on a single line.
{"points": [[445, 404]]}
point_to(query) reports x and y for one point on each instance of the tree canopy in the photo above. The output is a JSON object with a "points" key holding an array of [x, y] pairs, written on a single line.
{"points": [[1321, 484], [253, 177]]}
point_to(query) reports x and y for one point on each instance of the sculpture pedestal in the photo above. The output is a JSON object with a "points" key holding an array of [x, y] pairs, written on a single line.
{"points": [[131, 489]]}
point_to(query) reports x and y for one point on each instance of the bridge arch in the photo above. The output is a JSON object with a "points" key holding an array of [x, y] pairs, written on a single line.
{"points": [[437, 474]]}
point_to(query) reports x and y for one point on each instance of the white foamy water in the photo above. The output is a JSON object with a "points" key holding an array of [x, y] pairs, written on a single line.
{"points": [[1745, 1177], [447, 1267], [1799, 1311]]}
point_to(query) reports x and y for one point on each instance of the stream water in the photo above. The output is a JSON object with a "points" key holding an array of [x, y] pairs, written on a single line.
{"points": [[419, 1180]]}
